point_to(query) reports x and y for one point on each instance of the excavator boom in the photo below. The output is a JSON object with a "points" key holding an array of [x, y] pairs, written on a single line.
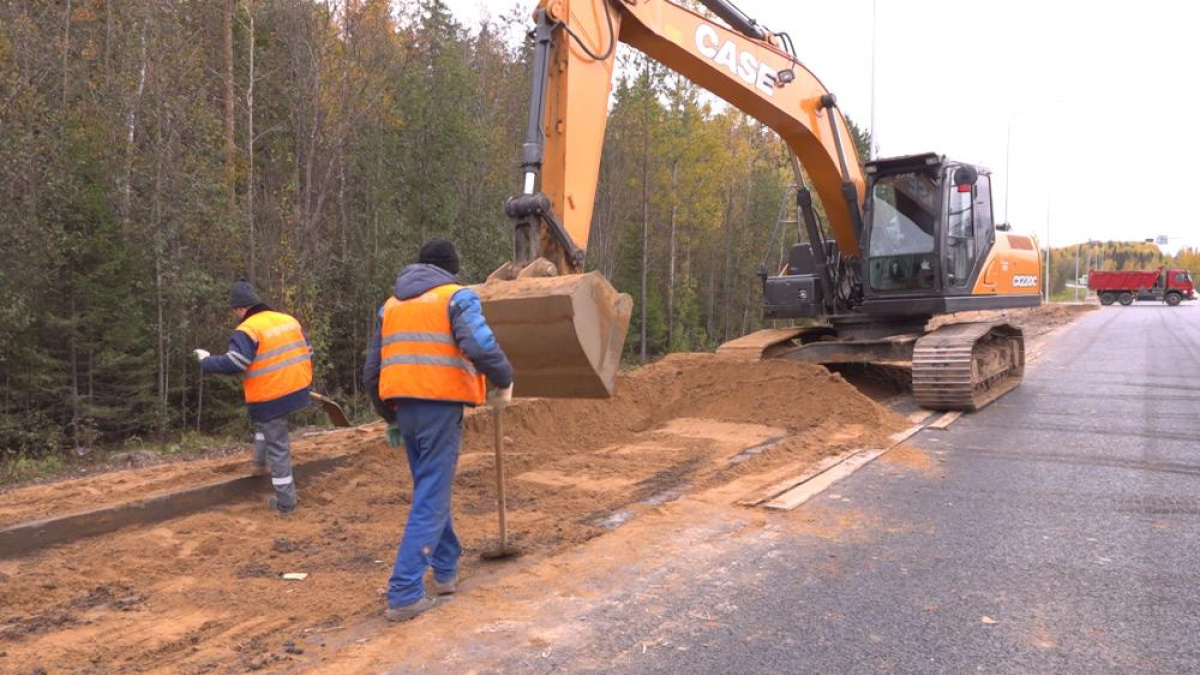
{"points": [[753, 75]]}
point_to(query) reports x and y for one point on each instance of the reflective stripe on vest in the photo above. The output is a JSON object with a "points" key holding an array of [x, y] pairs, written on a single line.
{"points": [[420, 357], [282, 362]]}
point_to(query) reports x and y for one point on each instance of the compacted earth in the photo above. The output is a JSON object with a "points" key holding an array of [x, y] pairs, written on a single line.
{"points": [[591, 485]]}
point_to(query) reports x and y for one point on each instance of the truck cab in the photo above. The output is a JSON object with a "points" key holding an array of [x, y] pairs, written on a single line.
{"points": [[1179, 281]]}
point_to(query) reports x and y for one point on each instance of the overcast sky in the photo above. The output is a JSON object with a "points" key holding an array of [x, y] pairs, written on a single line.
{"points": [[1101, 98]]}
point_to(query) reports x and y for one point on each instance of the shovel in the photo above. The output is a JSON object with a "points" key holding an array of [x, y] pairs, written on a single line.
{"points": [[504, 549], [337, 416]]}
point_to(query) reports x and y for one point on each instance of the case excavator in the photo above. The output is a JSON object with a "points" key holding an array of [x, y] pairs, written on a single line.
{"points": [[903, 240]]}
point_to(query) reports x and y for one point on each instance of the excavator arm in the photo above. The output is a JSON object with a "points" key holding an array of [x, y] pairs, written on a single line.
{"points": [[562, 329], [746, 66]]}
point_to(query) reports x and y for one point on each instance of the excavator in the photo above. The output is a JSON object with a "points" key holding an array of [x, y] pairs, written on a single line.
{"points": [[904, 239]]}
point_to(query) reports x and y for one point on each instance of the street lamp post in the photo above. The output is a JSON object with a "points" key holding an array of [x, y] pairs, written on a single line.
{"points": [[874, 149], [1049, 251], [1008, 161], [1007, 167], [1077, 272]]}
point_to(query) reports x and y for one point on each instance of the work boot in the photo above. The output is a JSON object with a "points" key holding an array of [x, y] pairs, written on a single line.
{"points": [[447, 587], [398, 614], [274, 505], [259, 470]]}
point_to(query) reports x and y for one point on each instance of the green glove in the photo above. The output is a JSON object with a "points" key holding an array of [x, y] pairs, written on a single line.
{"points": [[394, 438]]}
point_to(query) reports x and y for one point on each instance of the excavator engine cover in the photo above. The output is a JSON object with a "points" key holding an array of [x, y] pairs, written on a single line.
{"points": [[564, 335]]}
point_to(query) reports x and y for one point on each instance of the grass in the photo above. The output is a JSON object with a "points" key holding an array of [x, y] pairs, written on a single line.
{"points": [[26, 469], [1067, 296]]}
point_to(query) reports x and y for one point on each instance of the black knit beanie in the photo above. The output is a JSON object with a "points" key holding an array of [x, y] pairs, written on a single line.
{"points": [[441, 253], [242, 295]]}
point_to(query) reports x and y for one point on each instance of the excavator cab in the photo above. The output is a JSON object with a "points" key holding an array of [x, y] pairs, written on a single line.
{"points": [[928, 244], [929, 226]]}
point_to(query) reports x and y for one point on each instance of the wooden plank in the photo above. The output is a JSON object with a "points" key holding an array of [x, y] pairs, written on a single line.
{"points": [[776, 489], [920, 416], [779, 488], [809, 489], [814, 485], [902, 436], [33, 535], [944, 422]]}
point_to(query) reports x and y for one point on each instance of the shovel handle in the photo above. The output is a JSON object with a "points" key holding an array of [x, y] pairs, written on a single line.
{"points": [[498, 440]]}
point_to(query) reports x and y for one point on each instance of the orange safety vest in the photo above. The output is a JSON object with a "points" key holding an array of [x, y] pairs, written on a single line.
{"points": [[282, 364], [420, 357]]}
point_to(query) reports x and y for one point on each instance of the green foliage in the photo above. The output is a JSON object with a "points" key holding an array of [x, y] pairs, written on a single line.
{"points": [[1101, 256], [29, 468], [1112, 256], [863, 138], [360, 130]]}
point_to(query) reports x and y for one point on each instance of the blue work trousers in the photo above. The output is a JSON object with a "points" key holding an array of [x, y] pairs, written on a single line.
{"points": [[432, 435]]}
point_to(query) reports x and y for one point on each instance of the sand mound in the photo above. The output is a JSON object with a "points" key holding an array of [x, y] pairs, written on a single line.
{"points": [[204, 592]]}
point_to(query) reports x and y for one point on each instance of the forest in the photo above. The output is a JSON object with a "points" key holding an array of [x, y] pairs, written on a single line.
{"points": [[151, 153]]}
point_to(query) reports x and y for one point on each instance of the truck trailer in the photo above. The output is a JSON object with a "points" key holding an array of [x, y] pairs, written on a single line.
{"points": [[1171, 286]]}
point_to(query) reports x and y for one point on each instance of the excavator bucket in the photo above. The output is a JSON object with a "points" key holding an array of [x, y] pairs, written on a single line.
{"points": [[563, 335]]}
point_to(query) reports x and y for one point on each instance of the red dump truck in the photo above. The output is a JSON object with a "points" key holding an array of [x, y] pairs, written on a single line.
{"points": [[1163, 284]]}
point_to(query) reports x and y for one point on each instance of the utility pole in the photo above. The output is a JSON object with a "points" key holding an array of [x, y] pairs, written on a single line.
{"points": [[1008, 161], [1007, 168], [1077, 272], [874, 149], [1049, 251]]}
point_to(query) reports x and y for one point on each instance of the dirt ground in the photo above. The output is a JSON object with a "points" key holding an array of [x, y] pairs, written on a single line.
{"points": [[1035, 321], [590, 482], [205, 594]]}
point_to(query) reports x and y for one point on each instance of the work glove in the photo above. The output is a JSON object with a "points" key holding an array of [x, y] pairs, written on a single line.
{"points": [[201, 354], [394, 437], [500, 398]]}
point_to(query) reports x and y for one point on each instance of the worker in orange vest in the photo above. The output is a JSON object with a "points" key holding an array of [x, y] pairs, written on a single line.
{"points": [[431, 354], [270, 350]]}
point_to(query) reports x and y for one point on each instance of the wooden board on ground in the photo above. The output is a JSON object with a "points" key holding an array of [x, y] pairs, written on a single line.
{"points": [[826, 473], [818, 484], [780, 487], [942, 423]]}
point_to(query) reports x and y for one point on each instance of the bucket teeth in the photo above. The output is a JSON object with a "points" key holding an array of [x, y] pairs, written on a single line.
{"points": [[537, 269]]}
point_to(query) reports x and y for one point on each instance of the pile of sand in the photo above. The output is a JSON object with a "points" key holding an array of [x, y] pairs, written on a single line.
{"points": [[204, 593]]}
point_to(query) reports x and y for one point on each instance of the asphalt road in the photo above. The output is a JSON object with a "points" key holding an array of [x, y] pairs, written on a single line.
{"points": [[1057, 531]]}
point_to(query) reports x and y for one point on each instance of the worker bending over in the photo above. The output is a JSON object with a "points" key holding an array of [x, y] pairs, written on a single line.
{"points": [[428, 358], [270, 350]]}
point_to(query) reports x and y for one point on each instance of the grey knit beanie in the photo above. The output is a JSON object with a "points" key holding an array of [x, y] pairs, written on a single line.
{"points": [[441, 253], [242, 295]]}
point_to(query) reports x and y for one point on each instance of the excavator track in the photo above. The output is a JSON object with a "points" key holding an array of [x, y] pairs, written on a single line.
{"points": [[966, 366]]}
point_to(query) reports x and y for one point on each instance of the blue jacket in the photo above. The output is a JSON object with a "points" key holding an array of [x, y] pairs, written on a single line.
{"points": [[235, 362], [471, 332]]}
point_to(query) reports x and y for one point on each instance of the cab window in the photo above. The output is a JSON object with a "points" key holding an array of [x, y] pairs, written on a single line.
{"points": [[904, 215], [960, 234], [969, 228]]}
